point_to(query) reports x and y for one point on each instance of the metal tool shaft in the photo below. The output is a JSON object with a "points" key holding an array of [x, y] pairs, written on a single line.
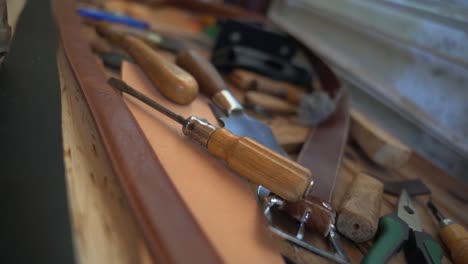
{"points": [[122, 86], [440, 217]]}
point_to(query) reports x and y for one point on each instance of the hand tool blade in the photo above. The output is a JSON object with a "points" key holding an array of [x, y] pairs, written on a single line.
{"points": [[407, 212], [242, 125], [213, 86]]}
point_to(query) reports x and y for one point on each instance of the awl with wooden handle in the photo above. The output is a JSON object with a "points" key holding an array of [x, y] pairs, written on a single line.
{"points": [[454, 236], [173, 82], [212, 85], [243, 155]]}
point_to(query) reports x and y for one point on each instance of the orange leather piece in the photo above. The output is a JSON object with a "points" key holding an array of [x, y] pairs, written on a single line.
{"points": [[168, 226], [223, 203]]}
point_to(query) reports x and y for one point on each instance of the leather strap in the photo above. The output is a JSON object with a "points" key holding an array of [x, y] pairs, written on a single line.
{"points": [[322, 154], [171, 232], [323, 151]]}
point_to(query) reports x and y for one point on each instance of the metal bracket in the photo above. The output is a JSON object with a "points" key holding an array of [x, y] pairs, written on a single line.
{"points": [[338, 256]]}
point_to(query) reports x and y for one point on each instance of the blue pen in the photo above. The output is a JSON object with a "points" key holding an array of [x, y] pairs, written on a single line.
{"points": [[106, 16]]}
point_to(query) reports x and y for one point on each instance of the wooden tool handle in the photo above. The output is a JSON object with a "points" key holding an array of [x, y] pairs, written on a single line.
{"points": [[260, 165], [208, 78], [269, 103], [358, 215], [97, 43], [455, 237], [172, 81], [247, 80]]}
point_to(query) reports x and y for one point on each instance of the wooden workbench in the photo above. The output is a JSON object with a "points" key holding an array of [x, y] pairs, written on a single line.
{"points": [[104, 231], [103, 228]]}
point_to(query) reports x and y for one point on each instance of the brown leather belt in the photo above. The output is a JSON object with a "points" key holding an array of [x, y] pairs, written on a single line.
{"points": [[170, 230], [322, 154]]}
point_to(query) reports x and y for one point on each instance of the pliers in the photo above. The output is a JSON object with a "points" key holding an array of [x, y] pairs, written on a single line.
{"points": [[403, 229]]}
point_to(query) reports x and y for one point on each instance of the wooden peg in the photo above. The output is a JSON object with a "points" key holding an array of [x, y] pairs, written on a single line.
{"points": [[359, 212]]}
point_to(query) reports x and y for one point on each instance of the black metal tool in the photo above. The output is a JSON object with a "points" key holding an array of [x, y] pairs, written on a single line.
{"points": [[255, 36], [247, 58]]}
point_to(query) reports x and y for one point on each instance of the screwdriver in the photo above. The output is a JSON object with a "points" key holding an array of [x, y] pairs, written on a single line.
{"points": [[284, 177], [454, 236], [403, 229]]}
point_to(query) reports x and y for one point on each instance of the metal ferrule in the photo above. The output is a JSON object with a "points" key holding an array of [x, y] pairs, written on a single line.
{"points": [[198, 130], [445, 222], [311, 184], [225, 101]]}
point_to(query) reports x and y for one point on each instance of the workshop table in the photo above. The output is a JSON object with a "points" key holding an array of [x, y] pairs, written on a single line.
{"points": [[103, 228]]}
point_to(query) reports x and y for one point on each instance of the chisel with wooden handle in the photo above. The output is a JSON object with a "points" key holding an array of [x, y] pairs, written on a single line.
{"points": [[243, 155], [173, 82], [212, 85]]}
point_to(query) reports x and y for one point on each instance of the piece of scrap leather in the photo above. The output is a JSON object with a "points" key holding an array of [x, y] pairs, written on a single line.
{"points": [[222, 202]]}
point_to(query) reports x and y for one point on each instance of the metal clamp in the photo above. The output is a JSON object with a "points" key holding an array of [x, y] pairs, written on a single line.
{"points": [[338, 256]]}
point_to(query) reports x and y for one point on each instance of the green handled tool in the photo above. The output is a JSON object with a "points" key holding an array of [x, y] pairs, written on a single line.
{"points": [[403, 229]]}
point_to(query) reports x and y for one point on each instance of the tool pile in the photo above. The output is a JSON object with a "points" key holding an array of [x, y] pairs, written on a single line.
{"points": [[270, 79]]}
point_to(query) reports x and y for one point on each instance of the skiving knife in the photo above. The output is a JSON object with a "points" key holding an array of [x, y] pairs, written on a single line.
{"points": [[213, 86]]}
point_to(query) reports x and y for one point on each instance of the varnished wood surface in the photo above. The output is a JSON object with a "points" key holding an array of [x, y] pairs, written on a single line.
{"points": [[204, 72], [261, 165], [455, 236], [172, 81], [103, 228]]}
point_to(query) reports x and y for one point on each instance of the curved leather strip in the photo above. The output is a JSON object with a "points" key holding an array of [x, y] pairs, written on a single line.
{"points": [[322, 154], [171, 232], [324, 150]]}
